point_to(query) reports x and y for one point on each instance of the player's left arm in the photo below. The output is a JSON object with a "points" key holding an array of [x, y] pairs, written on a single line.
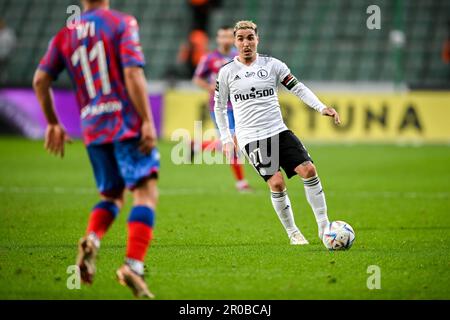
{"points": [[55, 135], [48, 70], [290, 82], [133, 61], [136, 85]]}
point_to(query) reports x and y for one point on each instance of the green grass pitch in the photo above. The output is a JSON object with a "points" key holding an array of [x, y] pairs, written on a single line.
{"points": [[212, 243]]}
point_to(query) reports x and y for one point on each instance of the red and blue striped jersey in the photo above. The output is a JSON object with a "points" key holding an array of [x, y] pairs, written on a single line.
{"points": [[94, 52], [208, 69]]}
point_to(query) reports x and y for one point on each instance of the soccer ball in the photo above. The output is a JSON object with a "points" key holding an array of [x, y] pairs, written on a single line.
{"points": [[338, 235]]}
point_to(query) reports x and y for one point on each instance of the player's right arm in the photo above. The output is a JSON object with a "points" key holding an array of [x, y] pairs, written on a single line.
{"points": [[202, 83], [49, 68], [221, 114], [201, 73]]}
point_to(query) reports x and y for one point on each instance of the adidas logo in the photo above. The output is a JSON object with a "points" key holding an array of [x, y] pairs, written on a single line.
{"points": [[237, 78]]}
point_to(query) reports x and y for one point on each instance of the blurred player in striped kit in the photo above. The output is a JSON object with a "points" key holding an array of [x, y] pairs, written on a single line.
{"points": [[205, 77], [103, 56]]}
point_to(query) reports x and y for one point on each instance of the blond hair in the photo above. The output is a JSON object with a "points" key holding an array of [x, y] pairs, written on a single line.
{"points": [[245, 24]]}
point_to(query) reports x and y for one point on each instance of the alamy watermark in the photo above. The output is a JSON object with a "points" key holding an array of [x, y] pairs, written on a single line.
{"points": [[263, 154], [374, 280], [73, 280], [374, 20], [74, 18]]}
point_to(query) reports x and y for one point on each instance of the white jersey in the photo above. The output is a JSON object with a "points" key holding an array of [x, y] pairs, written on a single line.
{"points": [[252, 91]]}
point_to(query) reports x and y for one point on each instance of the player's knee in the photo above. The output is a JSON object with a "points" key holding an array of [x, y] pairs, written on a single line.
{"points": [[117, 200], [310, 171], [146, 193], [276, 182], [147, 200], [306, 170]]}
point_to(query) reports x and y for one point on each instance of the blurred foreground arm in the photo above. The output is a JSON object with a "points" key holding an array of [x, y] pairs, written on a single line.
{"points": [[136, 85], [55, 135]]}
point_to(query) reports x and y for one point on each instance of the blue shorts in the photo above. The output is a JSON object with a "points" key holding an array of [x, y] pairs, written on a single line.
{"points": [[230, 119], [120, 164]]}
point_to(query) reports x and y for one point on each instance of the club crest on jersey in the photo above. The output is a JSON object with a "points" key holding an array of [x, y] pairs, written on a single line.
{"points": [[262, 74]]}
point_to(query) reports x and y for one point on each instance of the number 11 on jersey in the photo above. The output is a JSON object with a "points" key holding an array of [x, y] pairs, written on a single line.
{"points": [[97, 52]]}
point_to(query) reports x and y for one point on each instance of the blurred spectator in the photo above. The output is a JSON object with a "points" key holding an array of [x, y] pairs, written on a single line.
{"points": [[200, 13], [446, 55], [446, 47], [191, 52], [446, 51], [196, 45], [7, 44]]}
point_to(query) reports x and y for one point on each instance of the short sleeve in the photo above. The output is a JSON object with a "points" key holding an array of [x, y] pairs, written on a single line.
{"points": [[202, 70], [285, 77], [282, 70], [52, 61], [131, 54]]}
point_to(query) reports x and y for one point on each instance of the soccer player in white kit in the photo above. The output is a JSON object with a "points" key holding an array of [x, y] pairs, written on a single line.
{"points": [[250, 81]]}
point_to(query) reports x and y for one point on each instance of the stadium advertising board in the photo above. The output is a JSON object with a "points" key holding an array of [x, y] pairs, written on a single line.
{"points": [[373, 117]]}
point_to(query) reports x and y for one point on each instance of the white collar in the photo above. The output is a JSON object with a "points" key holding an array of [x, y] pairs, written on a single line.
{"points": [[240, 63]]}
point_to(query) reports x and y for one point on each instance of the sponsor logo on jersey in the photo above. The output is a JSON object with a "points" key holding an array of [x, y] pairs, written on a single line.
{"points": [[262, 74], [237, 78], [249, 74], [102, 108], [254, 94]]}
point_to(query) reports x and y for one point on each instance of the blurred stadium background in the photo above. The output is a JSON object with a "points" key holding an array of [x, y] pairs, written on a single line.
{"points": [[326, 44]]}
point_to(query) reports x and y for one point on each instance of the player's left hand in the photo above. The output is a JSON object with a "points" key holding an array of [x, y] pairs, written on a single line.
{"points": [[148, 137], [330, 112], [55, 138]]}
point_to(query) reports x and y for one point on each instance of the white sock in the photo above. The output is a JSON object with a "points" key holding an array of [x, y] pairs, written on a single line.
{"points": [[282, 206], [93, 237], [135, 265], [316, 199]]}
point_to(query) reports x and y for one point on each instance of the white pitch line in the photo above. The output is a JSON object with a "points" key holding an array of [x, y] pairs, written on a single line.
{"points": [[230, 190], [81, 190]]}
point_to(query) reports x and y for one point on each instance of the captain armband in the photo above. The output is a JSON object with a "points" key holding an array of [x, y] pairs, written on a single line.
{"points": [[289, 81]]}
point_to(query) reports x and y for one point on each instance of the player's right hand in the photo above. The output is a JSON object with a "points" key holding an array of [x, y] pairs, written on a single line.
{"points": [[148, 137], [229, 150], [55, 138]]}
